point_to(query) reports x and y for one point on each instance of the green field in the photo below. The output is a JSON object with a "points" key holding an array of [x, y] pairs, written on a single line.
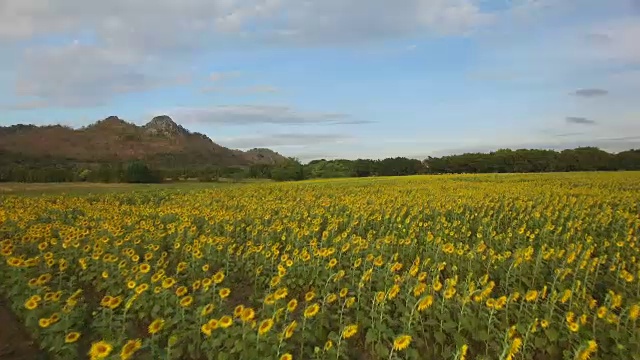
{"points": [[512, 266]]}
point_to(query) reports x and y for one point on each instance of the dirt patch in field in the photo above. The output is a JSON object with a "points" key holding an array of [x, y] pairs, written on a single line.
{"points": [[15, 342]]}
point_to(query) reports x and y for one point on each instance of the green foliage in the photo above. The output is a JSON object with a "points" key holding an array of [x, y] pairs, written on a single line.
{"points": [[139, 172]]}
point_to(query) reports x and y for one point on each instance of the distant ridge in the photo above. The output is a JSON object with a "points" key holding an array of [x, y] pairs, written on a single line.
{"points": [[160, 142]]}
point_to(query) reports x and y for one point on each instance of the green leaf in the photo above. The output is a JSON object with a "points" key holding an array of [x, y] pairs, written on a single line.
{"points": [[540, 342], [482, 335], [440, 337], [448, 326], [552, 334], [381, 350], [370, 336]]}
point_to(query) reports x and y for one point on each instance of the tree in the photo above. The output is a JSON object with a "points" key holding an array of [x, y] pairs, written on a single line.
{"points": [[139, 172]]}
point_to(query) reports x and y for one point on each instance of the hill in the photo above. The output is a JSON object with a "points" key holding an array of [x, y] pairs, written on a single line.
{"points": [[161, 143]]}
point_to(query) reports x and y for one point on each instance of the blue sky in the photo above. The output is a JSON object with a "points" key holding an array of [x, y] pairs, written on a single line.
{"points": [[333, 78]]}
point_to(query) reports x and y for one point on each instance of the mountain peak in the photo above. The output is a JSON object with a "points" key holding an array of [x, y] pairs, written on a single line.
{"points": [[164, 125]]}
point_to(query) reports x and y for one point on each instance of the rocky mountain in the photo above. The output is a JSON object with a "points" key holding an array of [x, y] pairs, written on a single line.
{"points": [[160, 142]]}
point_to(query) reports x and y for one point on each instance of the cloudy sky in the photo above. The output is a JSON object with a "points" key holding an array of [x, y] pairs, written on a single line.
{"points": [[333, 78]]}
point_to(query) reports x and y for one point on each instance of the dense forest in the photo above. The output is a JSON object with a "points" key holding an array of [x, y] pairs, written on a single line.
{"points": [[23, 169]]}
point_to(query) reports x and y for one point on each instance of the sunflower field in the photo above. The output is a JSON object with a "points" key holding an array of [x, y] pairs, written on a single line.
{"points": [[535, 267]]}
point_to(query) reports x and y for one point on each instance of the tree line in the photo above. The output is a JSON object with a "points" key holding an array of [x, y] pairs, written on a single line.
{"points": [[20, 169]]}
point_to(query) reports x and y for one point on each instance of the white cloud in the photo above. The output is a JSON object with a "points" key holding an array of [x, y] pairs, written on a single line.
{"points": [[82, 75], [257, 114]]}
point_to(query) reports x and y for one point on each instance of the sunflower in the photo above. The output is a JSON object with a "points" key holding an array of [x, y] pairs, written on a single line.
{"points": [[100, 350], [574, 326], [44, 323], [328, 345], [142, 288], [265, 326], [218, 277], [419, 289], [206, 310], [237, 312], [288, 331], [168, 283], [311, 310], [344, 292], [349, 331], [181, 291], [531, 295], [72, 337], [213, 324], [105, 301], [247, 314], [286, 356], [186, 301], [226, 321], [269, 299], [309, 296], [401, 342], [115, 302], [206, 329], [144, 268], [156, 326], [224, 293], [331, 298], [425, 303], [30, 304], [292, 305], [281, 293], [131, 284], [602, 312], [450, 292], [350, 301], [130, 348], [393, 292]]}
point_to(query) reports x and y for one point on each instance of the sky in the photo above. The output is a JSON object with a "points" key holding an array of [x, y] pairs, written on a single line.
{"points": [[333, 78]]}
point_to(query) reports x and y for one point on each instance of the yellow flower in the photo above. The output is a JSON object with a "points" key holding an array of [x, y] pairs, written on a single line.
{"points": [[206, 310], [265, 326], [349, 331], [225, 321], [156, 326], [634, 311], [531, 295], [168, 283], [218, 277], [186, 301], [100, 350], [206, 329], [311, 310], [574, 326], [286, 356], [401, 342], [72, 337], [247, 314], [288, 331], [292, 305], [44, 323], [30, 304], [602, 312], [213, 324], [181, 291], [309, 296], [224, 293], [344, 292], [425, 303], [130, 348]]}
